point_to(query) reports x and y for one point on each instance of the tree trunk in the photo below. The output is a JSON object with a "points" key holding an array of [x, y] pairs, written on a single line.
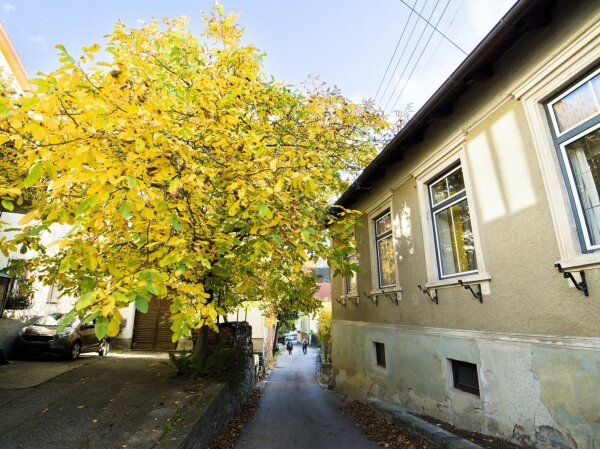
{"points": [[201, 350], [270, 362]]}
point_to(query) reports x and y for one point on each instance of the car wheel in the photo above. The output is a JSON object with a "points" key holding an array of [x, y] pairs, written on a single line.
{"points": [[74, 351], [104, 348]]}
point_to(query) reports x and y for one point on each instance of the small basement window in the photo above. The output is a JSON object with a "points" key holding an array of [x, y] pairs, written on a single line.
{"points": [[380, 354], [465, 376]]}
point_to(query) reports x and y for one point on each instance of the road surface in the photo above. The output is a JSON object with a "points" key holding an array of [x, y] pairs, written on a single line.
{"points": [[296, 413]]}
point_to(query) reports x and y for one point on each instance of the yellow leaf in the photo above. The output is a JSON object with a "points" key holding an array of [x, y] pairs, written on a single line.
{"points": [[29, 217]]}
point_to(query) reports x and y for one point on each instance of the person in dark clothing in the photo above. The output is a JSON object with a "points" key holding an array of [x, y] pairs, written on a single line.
{"points": [[290, 347], [304, 345]]}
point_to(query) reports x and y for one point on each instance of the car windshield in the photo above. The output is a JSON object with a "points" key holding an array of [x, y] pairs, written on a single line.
{"points": [[49, 320]]}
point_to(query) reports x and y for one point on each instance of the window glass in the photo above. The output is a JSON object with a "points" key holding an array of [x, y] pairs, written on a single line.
{"points": [[387, 268], [455, 239], [596, 85], [384, 224], [578, 105], [351, 280], [447, 187], [584, 159]]}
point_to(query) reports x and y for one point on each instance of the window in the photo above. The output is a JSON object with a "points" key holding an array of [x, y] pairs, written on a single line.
{"points": [[53, 295], [351, 280], [454, 240], [384, 246], [465, 377], [575, 117], [380, 354]]}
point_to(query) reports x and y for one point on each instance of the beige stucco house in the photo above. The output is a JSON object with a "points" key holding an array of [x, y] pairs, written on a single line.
{"points": [[478, 296]]}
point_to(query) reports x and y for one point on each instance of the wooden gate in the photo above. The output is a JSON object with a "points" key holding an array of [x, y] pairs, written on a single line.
{"points": [[151, 330]]}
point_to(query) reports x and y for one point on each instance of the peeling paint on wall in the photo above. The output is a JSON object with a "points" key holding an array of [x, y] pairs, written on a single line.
{"points": [[531, 394]]}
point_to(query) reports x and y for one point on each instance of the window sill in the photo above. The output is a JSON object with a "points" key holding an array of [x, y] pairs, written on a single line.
{"points": [[350, 295], [478, 278], [581, 262], [383, 291]]}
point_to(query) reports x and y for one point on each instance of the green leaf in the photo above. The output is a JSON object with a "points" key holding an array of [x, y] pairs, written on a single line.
{"points": [[262, 209], [152, 288], [8, 205], [35, 173], [175, 223], [125, 210], [86, 300], [141, 304], [85, 205], [131, 181], [74, 229], [101, 327], [91, 317], [205, 263], [51, 170], [65, 321]]}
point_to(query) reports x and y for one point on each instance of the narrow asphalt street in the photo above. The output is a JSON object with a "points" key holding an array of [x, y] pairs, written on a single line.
{"points": [[296, 413]]}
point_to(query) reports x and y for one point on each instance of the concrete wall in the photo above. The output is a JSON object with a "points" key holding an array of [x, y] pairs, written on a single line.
{"points": [[534, 338], [532, 393]]}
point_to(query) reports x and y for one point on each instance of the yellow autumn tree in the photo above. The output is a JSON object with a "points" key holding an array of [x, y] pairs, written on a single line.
{"points": [[178, 165]]}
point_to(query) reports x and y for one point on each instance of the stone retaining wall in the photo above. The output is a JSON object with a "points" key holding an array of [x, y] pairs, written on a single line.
{"points": [[210, 415]]}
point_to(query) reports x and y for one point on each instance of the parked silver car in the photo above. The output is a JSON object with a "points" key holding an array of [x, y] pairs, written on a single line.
{"points": [[40, 337]]}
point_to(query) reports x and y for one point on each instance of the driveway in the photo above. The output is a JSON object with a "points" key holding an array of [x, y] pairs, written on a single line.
{"points": [[296, 413], [123, 400]]}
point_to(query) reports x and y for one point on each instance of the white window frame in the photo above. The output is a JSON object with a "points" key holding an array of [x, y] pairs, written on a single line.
{"points": [[440, 164], [561, 69], [53, 294], [376, 211], [562, 95], [435, 208], [571, 180]]}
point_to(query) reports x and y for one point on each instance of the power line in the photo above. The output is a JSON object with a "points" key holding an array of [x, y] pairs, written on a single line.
{"points": [[410, 57], [441, 38], [402, 54], [395, 50], [435, 28], [419, 58]]}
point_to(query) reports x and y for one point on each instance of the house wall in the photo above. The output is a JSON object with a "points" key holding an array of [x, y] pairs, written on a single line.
{"points": [[41, 304], [534, 338]]}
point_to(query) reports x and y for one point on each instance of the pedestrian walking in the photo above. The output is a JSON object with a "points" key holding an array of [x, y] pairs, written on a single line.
{"points": [[290, 347], [304, 345]]}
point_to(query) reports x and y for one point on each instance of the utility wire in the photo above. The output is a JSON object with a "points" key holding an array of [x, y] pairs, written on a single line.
{"points": [[435, 28], [395, 49], [441, 38], [401, 55], [420, 56], [410, 57]]}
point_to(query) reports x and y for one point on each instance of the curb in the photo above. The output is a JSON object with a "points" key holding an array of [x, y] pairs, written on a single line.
{"points": [[429, 432]]}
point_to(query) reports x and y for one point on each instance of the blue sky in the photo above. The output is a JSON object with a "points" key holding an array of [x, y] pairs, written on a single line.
{"points": [[347, 43]]}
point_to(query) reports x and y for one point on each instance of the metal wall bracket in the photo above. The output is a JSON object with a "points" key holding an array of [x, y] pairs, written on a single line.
{"points": [[393, 297], [581, 286], [477, 295], [373, 298], [433, 298], [341, 301], [353, 300]]}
